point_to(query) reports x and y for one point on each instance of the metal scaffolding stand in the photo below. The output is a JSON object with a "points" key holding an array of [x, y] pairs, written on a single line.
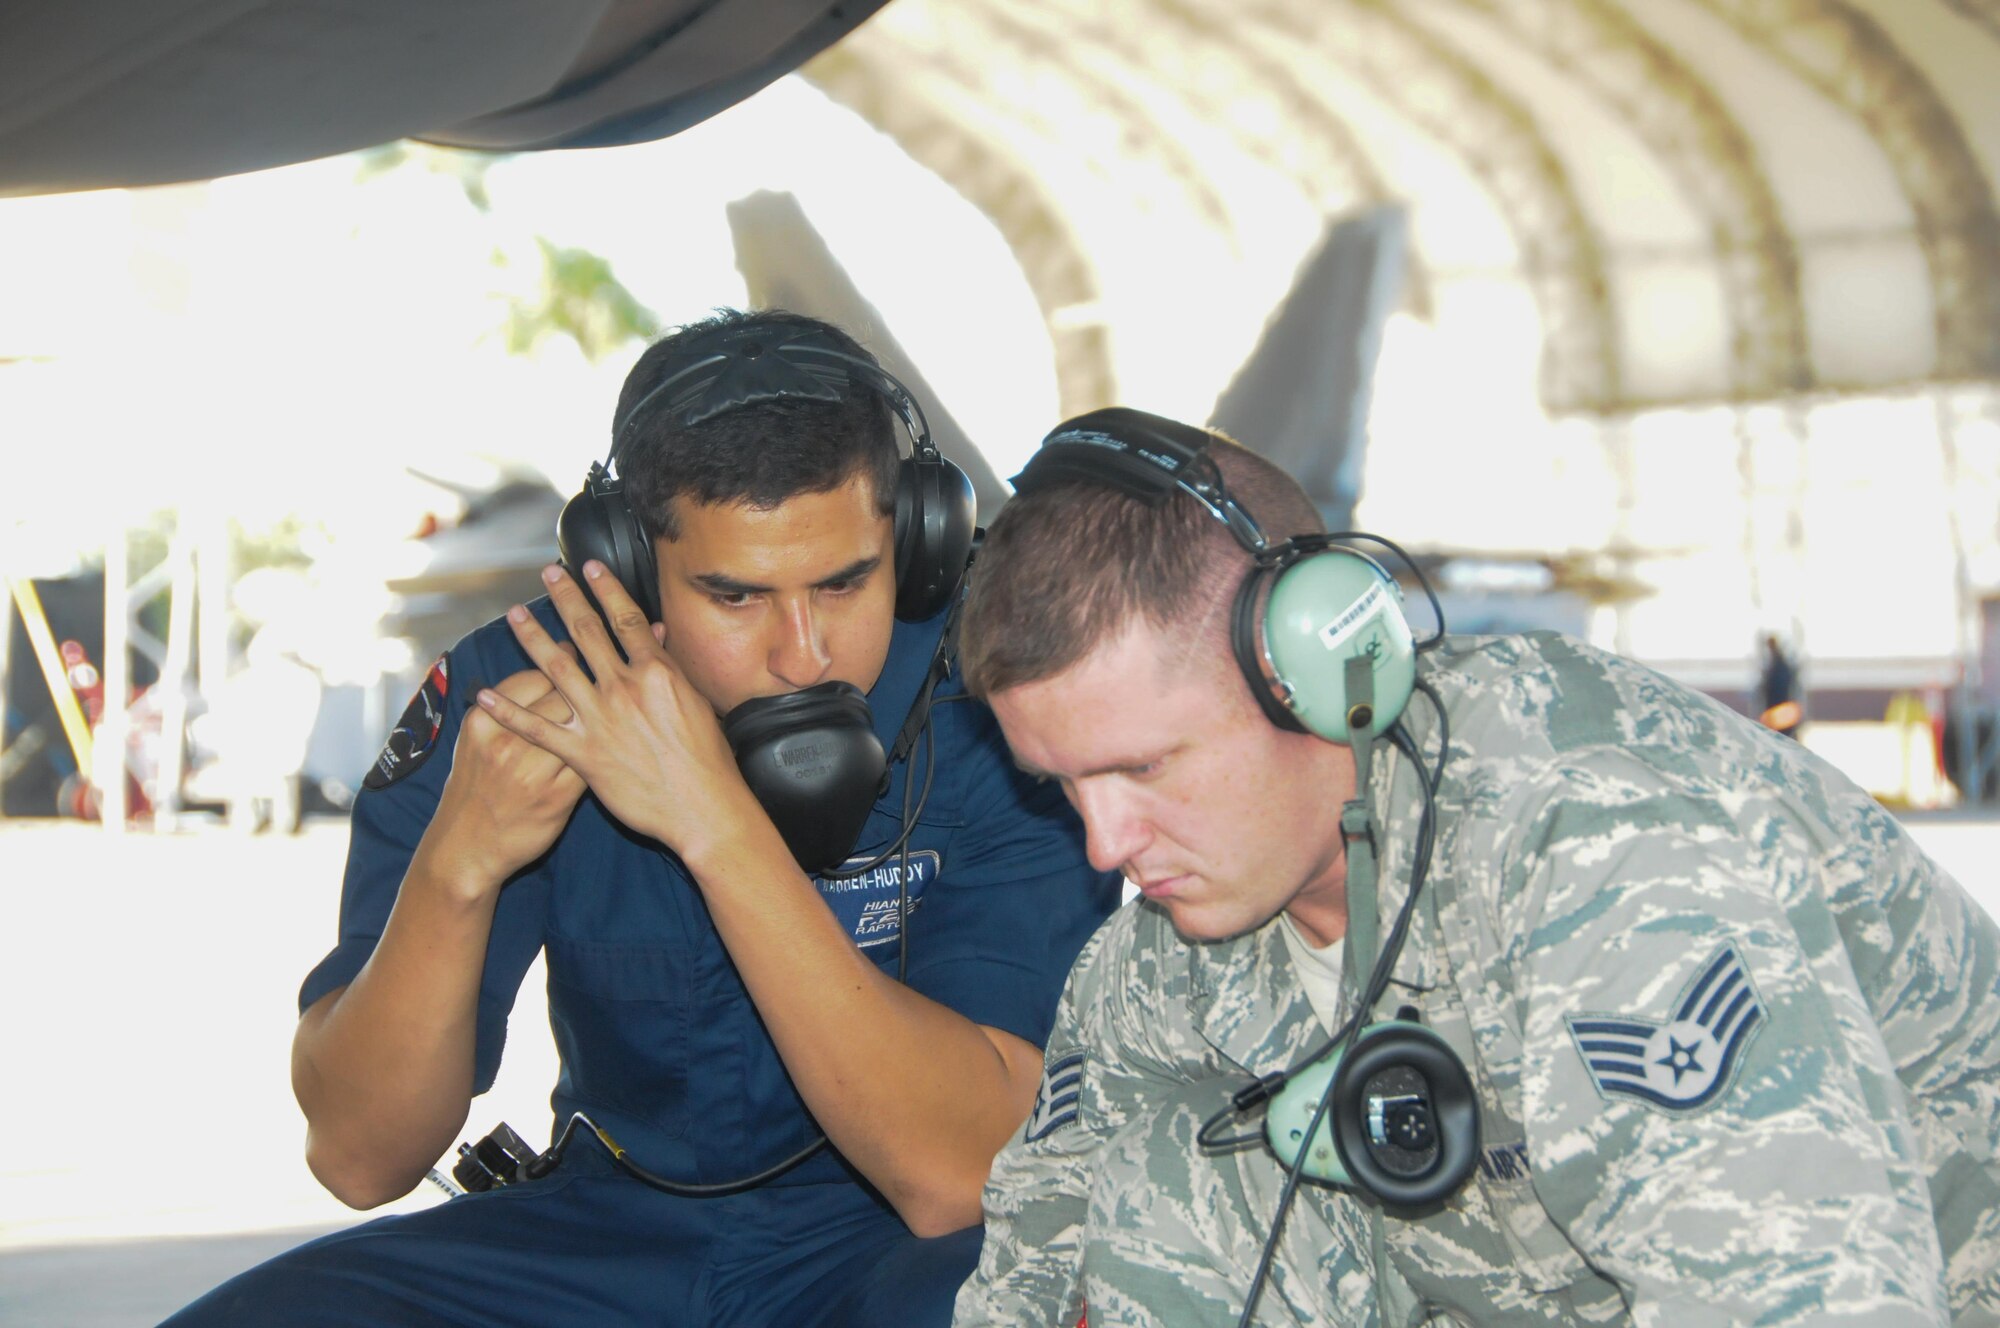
{"points": [[194, 575]]}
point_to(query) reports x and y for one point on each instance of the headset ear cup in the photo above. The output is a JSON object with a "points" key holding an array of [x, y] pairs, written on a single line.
{"points": [[1324, 609], [637, 568], [1249, 654], [583, 532], [908, 501], [935, 518], [1398, 1057], [598, 523]]}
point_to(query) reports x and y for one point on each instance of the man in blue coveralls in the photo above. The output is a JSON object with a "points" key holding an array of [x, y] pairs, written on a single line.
{"points": [[716, 1008]]}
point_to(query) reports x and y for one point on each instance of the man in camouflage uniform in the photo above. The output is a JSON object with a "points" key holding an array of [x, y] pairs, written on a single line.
{"points": [[1735, 1040]]}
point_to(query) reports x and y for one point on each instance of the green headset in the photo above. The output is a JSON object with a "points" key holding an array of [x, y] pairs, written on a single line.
{"points": [[1328, 602]]}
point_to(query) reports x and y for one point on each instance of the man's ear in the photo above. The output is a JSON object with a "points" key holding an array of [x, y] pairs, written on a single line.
{"points": [[660, 633]]}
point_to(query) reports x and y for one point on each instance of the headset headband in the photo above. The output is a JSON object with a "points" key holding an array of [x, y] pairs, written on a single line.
{"points": [[1147, 457], [742, 366]]}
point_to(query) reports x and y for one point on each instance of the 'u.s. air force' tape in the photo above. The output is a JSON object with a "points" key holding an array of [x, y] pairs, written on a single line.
{"points": [[1684, 1062], [1056, 1100]]}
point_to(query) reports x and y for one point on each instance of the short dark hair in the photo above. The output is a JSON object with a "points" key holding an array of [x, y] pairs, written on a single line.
{"points": [[1067, 566], [761, 454]]}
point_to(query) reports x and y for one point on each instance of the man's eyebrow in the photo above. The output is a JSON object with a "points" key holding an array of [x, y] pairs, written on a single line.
{"points": [[721, 583], [716, 583], [854, 571], [1108, 768]]}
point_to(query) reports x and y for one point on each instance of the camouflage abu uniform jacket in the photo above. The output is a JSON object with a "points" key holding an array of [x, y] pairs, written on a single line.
{"points": [[1736, 1042]]}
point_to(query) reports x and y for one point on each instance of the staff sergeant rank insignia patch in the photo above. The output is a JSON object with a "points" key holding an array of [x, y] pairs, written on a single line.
{"points": [[1056, 1100], [1683, 1063]]}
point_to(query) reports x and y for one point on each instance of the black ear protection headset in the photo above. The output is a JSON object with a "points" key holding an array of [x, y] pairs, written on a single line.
{"points": [[1385, 1108], [739, 366]]}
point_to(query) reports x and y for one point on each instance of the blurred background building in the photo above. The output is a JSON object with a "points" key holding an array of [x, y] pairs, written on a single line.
{"points": [[1674, 324]]}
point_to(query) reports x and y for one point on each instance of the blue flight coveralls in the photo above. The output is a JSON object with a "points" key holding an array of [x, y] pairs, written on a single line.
{"points": [[661, 1046]]}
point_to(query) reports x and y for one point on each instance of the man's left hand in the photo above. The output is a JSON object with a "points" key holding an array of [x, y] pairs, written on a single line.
{"points": [[648, 744]]}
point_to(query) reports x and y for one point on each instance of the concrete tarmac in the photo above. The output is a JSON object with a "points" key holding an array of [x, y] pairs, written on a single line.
{"points": [[148, 991]]}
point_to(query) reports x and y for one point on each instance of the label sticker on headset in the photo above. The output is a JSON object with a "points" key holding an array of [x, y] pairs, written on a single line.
{"points": [[869, 904], [416, 733], [1356, 614]]}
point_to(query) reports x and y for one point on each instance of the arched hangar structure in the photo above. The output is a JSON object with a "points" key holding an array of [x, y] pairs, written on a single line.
{"points": [[1701, 307], [1697, 288], [1698, 195]]}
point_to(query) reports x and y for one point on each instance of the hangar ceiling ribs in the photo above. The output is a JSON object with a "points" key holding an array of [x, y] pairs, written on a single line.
{"points": [[1682, 121], [1449, 97], [1986, 13], [1851, 60], [1640, 202], [1305, 139], [1042, 52], [1183, 54], [1070, 120]]}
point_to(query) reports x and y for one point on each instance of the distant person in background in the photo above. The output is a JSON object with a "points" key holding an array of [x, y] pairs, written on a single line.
{"points": [[1778, 691], [721, 1009]]}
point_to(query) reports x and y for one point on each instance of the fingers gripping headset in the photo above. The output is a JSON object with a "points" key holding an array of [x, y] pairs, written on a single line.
{"points": [[1384, 1108], [811, 756]]}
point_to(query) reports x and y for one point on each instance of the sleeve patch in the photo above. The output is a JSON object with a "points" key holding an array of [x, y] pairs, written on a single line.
{"points": [[1056, 1100], [1683, 1062], [416, 733]]}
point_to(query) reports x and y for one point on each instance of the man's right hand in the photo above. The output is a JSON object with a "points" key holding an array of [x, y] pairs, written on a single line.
{"points": [[506, 800]]}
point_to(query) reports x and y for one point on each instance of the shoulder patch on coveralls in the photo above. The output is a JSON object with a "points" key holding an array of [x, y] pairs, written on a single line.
{"points": [[416, 733]]}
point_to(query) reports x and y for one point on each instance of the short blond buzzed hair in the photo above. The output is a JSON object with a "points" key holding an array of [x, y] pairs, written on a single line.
{"points": [[1068, 566]]}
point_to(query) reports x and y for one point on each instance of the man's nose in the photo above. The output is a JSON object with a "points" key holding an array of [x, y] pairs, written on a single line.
{"points": [[1114, 832], [798, 656]]}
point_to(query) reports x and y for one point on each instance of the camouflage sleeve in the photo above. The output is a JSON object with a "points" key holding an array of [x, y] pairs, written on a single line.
{"points": [[1714, 1120], [1929, 958], [1098, 1074]]}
